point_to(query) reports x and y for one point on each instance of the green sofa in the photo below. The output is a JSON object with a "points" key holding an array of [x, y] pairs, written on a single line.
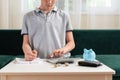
{"points": [[105, 43]]}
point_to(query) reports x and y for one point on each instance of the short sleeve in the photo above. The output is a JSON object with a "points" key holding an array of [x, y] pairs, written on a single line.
{"points": [[24, 26], [68, 23]]}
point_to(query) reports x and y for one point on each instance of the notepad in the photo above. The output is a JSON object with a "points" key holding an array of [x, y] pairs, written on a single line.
{"points": [[23, 61]]}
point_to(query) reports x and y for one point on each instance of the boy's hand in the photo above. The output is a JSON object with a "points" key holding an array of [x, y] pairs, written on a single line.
{"points": [[57, 53], [31, 55]]}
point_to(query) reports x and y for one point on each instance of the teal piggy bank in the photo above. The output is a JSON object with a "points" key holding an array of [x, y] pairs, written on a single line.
{"points": [[89, 55]]}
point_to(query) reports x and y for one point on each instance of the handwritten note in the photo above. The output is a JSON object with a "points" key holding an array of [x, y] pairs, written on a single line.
{"points": [[23, 61]]}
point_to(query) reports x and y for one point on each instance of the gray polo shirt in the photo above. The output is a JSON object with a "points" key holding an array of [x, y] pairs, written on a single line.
{"points": [[46, 32]]}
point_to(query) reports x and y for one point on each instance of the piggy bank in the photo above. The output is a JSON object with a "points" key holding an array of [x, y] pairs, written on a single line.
{"points": [[89, 55]]}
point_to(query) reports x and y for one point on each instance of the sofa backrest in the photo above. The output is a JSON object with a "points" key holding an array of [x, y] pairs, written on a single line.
{"points": [[10, 42], [101, 41]]}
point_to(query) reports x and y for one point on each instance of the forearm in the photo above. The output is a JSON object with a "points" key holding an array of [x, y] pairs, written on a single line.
{"points": [[29, 53], [70, 42], [26, 48], [69, 46]]}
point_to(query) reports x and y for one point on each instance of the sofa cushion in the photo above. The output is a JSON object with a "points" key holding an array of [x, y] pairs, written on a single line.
{"points": [[112, 61], [19, 56], [5, 59]]}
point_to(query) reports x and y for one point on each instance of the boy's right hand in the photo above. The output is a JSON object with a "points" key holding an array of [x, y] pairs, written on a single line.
{"points": [[31, 55]]}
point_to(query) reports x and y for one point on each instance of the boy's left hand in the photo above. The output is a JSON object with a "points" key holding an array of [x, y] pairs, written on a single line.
{"points": [[57, 53]]}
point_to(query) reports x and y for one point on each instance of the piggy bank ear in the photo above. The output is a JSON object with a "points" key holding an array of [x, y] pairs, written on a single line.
{"points": [[90, 50], [85, 50]]}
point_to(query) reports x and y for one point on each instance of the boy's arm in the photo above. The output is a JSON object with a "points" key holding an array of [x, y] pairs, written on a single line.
{"points": [[28, 52], [70, 42], [68, 47]]}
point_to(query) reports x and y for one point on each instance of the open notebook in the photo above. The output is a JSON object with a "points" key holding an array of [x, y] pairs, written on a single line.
{"points": [[23, 61]]}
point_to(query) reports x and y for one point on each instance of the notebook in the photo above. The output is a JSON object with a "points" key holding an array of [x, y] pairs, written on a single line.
{"points": [[23, 61]]}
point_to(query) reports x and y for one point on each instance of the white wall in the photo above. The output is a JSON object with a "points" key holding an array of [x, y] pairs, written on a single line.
{"points": [[100, 21], [11, 18], [4, 22], [15, 14], [10, 14]]}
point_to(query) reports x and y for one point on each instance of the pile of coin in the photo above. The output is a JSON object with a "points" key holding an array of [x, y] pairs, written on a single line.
{"points": [[58, 65]]}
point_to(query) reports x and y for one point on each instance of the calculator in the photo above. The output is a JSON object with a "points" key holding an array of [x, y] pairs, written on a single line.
{"points": [[60, 60]]}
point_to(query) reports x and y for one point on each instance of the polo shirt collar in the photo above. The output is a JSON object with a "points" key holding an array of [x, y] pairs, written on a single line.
{"points": [[54, 9]]}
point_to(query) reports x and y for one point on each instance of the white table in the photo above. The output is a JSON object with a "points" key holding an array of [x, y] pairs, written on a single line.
{"points": [[47, 71]]}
